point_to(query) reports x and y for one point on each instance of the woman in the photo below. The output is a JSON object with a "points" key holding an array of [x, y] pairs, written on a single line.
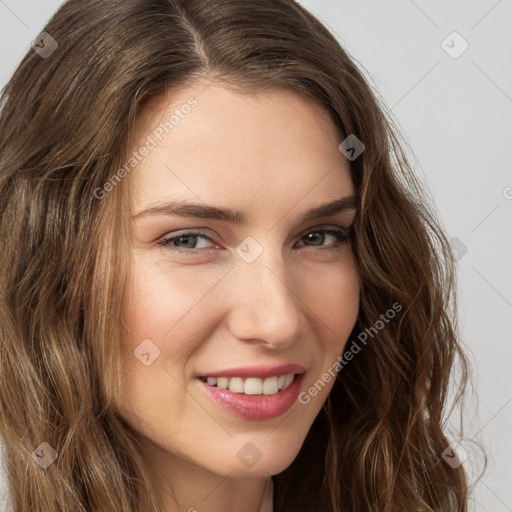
{"points": [[294, 353]]}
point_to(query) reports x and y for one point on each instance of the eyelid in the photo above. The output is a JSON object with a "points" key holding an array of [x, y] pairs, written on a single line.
{"points": [[345, 230]]}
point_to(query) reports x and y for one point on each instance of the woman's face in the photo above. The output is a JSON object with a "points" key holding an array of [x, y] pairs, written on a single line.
{"points": [[262, 295]]}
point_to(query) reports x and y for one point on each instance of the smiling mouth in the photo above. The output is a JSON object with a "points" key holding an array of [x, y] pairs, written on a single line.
{"points": [[251, 385]]}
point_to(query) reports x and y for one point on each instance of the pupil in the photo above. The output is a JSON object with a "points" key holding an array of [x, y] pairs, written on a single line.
{"points": [[184, 238], [311, 237]]}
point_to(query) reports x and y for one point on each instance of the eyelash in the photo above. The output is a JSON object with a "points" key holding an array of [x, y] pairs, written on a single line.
{"points": [[341, 234]]}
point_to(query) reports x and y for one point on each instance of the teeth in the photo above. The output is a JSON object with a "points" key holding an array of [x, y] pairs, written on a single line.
{"points": [[270, 386], [222, 383], [287, 381], [252, 385], [236, 385]]}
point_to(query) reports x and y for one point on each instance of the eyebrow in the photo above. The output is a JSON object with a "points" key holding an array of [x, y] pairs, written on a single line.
{"points": [[237, 217]]}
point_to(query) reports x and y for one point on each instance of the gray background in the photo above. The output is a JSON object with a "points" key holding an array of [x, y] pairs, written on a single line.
{"points": [[456, 115]]}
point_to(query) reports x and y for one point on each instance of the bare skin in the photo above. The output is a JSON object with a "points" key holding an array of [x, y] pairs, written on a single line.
{"points": [[273, 156]]}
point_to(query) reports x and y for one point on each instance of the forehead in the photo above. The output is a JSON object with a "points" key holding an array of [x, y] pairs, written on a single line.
{"points": [[218, 144]]}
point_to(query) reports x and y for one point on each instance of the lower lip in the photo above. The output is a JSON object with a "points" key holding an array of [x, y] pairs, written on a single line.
{"points": [[255, 407]]}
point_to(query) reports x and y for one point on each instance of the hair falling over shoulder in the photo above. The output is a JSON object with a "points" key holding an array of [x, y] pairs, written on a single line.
{"points": [[64, 123]]}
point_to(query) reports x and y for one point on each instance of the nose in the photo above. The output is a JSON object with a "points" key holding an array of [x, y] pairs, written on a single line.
{"points": [[265, 307]]}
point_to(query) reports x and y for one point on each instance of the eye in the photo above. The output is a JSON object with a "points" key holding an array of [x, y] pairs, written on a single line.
{"points": [[317, 236], [188, 241]]}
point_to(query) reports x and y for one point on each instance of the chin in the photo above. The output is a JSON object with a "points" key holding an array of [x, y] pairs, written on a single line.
{"points": [[262, 454]]}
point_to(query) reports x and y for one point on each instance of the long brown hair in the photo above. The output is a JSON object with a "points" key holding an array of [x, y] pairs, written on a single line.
{"points": [[65, 122]]}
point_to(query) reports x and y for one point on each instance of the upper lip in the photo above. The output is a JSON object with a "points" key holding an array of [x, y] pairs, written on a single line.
{"points": [[261, 372]]}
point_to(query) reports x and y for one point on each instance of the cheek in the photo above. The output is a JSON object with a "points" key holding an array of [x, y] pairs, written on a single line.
{"points": [[333, 296], [155, 309], [161, 296], [333, 299], [157, 316], [168, 311]]}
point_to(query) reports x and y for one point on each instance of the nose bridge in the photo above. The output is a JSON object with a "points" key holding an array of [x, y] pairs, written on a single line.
{"points": [[264, 304]]}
